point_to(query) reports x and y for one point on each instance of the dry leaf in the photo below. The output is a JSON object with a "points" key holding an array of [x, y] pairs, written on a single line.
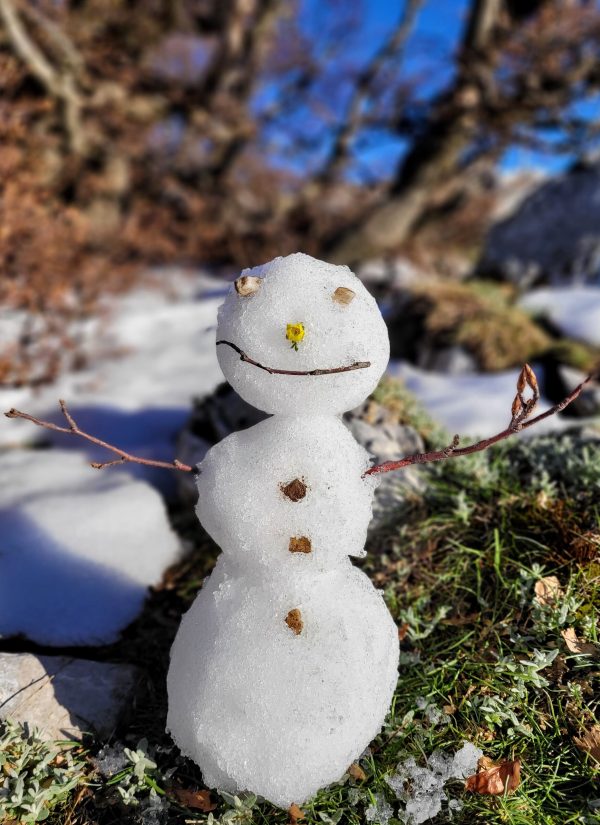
{"points": [[296, 814], [403, 631], [194, 799], [576, 645], [590, 742], [494, 779], [357, 772], [548, 591]]}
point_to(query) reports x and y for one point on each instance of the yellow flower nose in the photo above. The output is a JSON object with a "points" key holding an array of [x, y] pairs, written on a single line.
{"points": [[295, 334]]}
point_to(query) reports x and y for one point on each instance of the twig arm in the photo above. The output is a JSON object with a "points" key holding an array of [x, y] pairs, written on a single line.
{"points": [[74, 429], [521, 410]]}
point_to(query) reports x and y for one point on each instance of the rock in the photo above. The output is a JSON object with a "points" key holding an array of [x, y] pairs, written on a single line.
{"points": [[63, 697], [371, 424], [79, 548], [454, 360], [553, 236]]}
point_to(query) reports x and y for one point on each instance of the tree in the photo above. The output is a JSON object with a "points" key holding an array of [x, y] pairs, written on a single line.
{"points": [[230, 131]]}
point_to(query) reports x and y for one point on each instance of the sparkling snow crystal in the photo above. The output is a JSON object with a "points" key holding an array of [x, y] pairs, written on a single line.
{"points": [[422, 788], [283, 670]]}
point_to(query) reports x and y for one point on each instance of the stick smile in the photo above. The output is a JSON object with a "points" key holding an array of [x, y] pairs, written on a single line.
{"points": [[357, 365]]}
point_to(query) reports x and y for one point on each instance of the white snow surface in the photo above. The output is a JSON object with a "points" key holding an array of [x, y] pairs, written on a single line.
{"points": [[242, 506], [422, 788], [574, 310], [260, 708], [470, 405], [283, 670], [299, 289], [160, 354], [78, 548]]}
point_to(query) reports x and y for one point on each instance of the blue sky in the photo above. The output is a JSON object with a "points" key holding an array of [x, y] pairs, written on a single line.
{"points": [[435, 37]]}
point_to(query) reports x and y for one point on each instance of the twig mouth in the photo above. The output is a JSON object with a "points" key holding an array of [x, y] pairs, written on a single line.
{"points": [[357, 365]]}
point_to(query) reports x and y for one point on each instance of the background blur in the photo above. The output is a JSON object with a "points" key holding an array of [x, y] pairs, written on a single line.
{"points": [[217, 135]]}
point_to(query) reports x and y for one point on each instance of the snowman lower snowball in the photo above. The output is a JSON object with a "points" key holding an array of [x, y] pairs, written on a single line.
{"points": [[283, 669]]}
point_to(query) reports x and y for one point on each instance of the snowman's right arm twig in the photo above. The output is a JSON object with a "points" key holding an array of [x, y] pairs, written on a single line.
{"points": [[73, 429], [521, 410]]}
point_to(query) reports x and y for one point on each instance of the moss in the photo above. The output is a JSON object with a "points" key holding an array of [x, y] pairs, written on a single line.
{"points": [[482, 317]]}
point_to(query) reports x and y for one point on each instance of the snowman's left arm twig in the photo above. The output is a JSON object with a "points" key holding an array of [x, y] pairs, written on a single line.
{"points": [[73, 429], [521, 411]]}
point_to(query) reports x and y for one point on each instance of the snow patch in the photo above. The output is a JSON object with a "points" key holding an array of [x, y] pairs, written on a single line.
{"points": [[78, 548], [575, 311]]}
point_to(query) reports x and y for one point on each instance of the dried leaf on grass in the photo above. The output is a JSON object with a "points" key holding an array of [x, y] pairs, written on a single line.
{"points": [[548, 591], [356, 772], [296, 814], [576, 645], [590, 742], [495, 778], [201, 800]]}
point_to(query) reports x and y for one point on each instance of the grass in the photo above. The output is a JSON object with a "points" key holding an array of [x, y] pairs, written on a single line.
{"points": [[482, 660]]}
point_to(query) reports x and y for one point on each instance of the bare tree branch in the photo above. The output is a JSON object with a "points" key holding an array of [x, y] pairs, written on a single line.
{"points": [[60, 85], [73, 429], [391, 48], [521, 410], [357, 365]]}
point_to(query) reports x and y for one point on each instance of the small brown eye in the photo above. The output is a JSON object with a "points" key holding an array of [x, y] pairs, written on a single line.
{"points": [[343, 295], [247, 285]]}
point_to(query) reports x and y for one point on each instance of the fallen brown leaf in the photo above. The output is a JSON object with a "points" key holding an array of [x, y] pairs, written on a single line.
{"points": [[548, 591], [356, 772], [576, 645], [495, 778], [590, 742], [194, 799], [296, 814], [402, 631]]}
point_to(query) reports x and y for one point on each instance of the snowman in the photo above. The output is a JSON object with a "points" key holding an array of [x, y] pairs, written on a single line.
{"points": [[284, 668]]}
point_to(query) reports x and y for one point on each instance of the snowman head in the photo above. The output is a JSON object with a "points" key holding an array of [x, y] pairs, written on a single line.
{"points": [[303, 315]]}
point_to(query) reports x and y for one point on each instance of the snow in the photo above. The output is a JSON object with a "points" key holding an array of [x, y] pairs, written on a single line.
{"points": [[160, 354], [300, 289], [251, 519], [470, 405], [575, 310], [263, 709], [380, 811], [78, 548], [421, 789], [283, 670]]}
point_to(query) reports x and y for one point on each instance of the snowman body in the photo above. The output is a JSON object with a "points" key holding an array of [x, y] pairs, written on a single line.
{"points": [[283, 670]]}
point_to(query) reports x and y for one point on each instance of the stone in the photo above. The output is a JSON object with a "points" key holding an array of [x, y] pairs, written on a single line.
{"points": [[64, 697], [553, 236]]}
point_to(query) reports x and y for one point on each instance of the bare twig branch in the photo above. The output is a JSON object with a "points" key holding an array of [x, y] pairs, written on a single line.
{"points": [[521, 410], [59, 84], [357, 365], [73, 429]]}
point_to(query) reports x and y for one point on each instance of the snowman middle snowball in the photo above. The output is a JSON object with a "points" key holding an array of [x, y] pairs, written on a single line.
{"points": [[283, 669]]}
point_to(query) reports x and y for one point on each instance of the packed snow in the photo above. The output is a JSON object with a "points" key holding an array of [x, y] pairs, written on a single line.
{"points": [[284, 668], [471, 405], [421, 789], [575, 311], [160, 354], [78, 548], [337, 335]]}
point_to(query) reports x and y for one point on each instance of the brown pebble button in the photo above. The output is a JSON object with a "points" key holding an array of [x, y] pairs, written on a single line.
{"points": [[343, 295], [294, 621], [300, 544], [295, 490]]}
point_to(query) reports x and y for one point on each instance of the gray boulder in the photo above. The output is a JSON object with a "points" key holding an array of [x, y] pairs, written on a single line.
{"points": [[553, 236]]}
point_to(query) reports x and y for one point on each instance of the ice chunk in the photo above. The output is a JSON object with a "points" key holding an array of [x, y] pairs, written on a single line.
{"points": [[422, 788], [242, 505], [78, 548], [380, 812], [262, 708], [300, 289]]}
